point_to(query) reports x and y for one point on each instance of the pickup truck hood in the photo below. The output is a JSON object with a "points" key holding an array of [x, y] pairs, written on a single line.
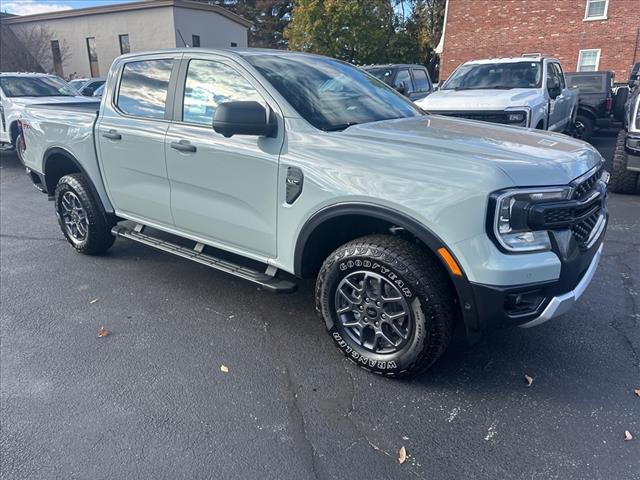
{"points": [[529, 157], [465, 100]]}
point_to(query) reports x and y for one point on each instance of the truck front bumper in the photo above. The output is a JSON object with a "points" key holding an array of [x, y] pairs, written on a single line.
{"points": [[532, 304], [561, 304]]}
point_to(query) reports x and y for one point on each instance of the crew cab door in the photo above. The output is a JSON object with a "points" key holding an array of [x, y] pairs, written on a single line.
{"points": [[130, 134], [559, 102], [223, 190]]}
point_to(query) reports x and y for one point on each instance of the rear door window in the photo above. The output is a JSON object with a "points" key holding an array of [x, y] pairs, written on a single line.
{"points": [[422, 82], [144, 86]]}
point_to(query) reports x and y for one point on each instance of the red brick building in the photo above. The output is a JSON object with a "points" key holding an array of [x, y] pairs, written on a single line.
{"points": [[583, 34]]}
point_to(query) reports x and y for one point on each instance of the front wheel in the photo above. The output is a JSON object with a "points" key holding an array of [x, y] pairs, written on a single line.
{"points": [[622, 180], [20, 146], [387, 305], [79, 216]]}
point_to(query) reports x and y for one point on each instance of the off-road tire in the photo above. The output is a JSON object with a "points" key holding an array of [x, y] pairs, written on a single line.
{"points": [[619, 102], [622, 180], [422, 281], [588, 125], [98, 238]]}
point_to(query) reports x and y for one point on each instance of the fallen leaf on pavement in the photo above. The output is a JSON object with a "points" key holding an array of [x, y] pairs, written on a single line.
{"points": [[627, 436], [224, 369], [528, 379], [637, 391], [103, 332], [93, 301], [402, 455]]}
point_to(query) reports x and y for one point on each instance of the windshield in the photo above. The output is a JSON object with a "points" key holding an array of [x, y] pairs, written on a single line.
{"points": [[384, 74], [495, 76], [36, 87], [329, 94], [77, 84]]}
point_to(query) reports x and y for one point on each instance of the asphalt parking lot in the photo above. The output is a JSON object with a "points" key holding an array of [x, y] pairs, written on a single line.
{"points": [[149, 401]]}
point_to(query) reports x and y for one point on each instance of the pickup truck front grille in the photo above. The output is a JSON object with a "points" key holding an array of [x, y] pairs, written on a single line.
{"points": [[584, 213], [493, 116]]}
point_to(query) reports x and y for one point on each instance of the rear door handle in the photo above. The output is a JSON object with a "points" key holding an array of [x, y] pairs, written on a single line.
{"points": [[112, 135], [183, 146]]}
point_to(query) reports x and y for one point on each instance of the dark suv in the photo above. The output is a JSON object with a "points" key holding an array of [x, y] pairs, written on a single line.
{"points": [[412, 81], [595, 100]]}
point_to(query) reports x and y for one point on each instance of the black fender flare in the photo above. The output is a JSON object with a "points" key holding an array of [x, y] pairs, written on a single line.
{"points": [[55, 151], [461, 283]]}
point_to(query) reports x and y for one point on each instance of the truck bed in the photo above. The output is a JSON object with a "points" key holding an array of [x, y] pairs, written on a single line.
{"points": [[89, 107]]}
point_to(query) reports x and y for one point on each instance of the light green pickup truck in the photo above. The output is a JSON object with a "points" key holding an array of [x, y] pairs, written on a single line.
{"points": [[272, 165]]}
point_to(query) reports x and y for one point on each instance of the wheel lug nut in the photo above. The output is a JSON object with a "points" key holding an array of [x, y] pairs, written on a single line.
{"points": [[361, 307]]}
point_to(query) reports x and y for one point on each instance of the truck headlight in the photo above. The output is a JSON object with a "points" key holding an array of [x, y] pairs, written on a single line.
{"points": [[509, 215], [516, 117]]}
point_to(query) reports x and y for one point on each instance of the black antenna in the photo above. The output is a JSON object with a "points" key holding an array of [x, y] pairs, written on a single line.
{"points": [[182, 38]]}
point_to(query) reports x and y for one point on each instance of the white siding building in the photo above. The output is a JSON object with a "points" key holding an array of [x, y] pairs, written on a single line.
{"points": [[88, 39]]}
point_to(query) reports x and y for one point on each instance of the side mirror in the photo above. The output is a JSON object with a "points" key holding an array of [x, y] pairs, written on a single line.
{"points": [[401, 88], [634, 83], [553, 86], [244, 118]]}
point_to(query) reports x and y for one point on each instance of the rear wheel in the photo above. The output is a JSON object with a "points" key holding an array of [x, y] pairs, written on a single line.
{"points": [[583, 127], [79, 216], [622, 180], [387, 305]]}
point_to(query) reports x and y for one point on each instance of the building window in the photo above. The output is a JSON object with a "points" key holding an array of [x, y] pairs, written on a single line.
{"points": [[93, 57], [124, 44], [57, 57], [596, 10], [588, 60], [195, 40], [234, 44]]}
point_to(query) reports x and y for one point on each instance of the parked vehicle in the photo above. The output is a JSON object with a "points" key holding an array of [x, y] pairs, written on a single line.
{"points": [[524, 92], [625, 173], [17, 90], [270, 164], [412, 81], [595, 100], [98, 92], [77, 83]]}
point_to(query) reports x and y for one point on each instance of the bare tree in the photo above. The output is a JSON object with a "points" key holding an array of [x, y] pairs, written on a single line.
{"points": [[29, 48]]}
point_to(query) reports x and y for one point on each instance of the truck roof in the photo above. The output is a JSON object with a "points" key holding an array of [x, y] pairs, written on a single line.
{"points": [[509, 60], [232, 51], [26, 74]]}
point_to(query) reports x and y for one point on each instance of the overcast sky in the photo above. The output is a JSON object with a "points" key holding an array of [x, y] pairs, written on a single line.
{"points": [[29, 7]]}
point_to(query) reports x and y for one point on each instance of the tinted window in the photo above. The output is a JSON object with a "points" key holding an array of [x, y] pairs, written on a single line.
{"points": [[403, 77], [91, 87], [587, 83], [384, 74], [36, 87], [329, 94], [143, 88], [509, 75], [559, 74], [422, 83], [208, 85]]}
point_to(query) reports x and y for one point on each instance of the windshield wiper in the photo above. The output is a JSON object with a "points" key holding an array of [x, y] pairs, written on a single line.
{"points": [[340, 126]]}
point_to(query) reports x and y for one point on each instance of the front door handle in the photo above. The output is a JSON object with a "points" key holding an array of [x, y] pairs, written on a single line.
{"points": [[183, 146], [112, 135]]}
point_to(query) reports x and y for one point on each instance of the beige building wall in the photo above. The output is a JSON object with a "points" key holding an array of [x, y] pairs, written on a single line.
{"points": [[147, 29], [150, 26], [215, 31]]}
